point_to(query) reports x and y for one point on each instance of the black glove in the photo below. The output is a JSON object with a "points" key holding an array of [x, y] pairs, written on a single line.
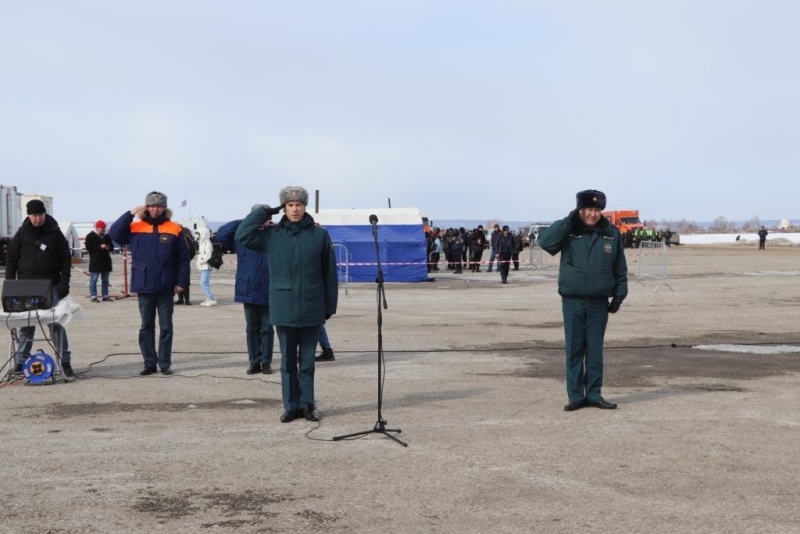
{"points": [[328, 316], [273, 211], [613, 306], [574, 216], [63, 290]]}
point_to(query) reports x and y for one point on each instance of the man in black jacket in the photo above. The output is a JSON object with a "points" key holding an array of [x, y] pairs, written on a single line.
{"points": [[99, 246], [39, 251]]}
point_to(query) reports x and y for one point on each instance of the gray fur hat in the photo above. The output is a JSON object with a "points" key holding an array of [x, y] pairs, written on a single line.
{"points": [[154, 198], [293, 193]]}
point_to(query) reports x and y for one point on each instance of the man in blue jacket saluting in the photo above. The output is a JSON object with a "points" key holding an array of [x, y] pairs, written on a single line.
{"points": [[252, 290], [159, 270]]}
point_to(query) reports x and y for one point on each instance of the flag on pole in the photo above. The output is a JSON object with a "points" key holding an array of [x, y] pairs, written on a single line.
{"points": [[183, 204]]}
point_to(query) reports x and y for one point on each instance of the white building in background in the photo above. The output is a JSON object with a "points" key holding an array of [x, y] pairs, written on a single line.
{"points": [[193, 223], [784, 224]]}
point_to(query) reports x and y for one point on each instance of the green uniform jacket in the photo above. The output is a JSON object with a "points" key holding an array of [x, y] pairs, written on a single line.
{"points": [[592, 262], [303, 287]]}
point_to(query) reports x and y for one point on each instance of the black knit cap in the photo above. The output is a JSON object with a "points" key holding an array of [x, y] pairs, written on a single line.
{"points": [[591, 198], [35, 207]]}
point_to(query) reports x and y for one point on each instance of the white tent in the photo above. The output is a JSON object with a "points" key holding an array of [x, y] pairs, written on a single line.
{"points": [[75, 245]]}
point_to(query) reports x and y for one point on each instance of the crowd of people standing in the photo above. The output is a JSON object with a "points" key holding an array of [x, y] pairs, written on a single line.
{"points": [[462, 249]]}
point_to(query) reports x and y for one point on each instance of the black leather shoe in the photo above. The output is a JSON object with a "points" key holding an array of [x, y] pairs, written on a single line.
{"points": [[67, 369], [266, 369], [166, 371], [572, 406], [289, 415], [149, 371], [603, 405], [326, 355], [254, 369], [310, 414]]}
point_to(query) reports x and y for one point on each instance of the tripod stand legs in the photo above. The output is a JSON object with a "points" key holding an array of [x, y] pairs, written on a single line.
{"points": [[380, 428]]}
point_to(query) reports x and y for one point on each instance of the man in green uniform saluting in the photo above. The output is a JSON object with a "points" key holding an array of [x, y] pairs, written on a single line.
{"points": [[592, 270]]}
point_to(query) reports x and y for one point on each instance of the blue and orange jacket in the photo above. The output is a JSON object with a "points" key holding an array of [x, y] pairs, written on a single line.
{"points": [[160, 257]]}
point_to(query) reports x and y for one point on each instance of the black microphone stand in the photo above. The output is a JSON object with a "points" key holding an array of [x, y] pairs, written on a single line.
{"points": [[380, 426]]}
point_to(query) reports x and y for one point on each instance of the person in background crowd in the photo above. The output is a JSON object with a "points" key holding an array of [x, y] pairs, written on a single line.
{"points": [[593, 269], [457, 250], [477, 243], [504, 249], [518, 247], [204, 251], [465, 238], [191, 243], [668, 237], [160, 269], [99, 246], [325, 344], [493, 240], [252, 290], [762, 238], [39, 251], [436, 250], [303, 292]]}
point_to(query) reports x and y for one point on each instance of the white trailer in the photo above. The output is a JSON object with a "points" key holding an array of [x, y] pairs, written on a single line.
{"points": [[10, 211]]}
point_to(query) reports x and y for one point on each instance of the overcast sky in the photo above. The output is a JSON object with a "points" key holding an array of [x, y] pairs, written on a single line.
{"points": [[502, 109]]}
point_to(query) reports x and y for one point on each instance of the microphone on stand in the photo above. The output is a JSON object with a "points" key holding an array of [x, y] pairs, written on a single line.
{"points": [[373, 220]]}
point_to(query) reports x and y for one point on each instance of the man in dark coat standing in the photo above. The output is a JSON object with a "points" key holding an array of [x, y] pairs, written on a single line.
{"points": [[99, 246], [503, 252], [762, 238], [592, 270], [303, 291], [39, 251]]}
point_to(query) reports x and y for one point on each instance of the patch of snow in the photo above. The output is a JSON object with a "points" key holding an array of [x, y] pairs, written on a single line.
{"points": [[751, 349]]}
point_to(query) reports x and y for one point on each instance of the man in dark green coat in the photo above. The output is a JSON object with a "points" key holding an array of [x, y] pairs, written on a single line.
{"points": [[592, 270], [303, 291]]}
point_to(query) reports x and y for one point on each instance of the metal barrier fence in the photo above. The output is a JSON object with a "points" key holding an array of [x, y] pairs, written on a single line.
{"points": [[652, 264], [343, 257], [536, 257]]}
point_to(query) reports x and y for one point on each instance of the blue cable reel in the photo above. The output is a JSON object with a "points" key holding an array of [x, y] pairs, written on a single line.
{"points": [[38, 367]]}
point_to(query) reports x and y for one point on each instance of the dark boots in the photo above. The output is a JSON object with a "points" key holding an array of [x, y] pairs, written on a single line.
{"points": [[326, 355]]}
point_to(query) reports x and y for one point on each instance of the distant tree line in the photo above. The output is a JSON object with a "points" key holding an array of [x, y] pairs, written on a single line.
{"points": [[720, 225]]}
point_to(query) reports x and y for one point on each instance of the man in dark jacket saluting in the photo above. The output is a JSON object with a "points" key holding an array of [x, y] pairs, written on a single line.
{"points": [[39, 251], [303, 291], [592, 270]]}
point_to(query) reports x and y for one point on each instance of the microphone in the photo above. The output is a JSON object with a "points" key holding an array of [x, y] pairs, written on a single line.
{"points": [[373, 220]]}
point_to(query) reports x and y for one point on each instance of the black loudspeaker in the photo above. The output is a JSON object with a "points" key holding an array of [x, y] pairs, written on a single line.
{"points": [[27, 295]]}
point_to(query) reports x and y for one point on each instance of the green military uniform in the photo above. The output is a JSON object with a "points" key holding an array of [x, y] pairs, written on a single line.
{"points": [[592, 270]]}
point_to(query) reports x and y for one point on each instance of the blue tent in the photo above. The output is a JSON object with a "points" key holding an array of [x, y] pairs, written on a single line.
{"points": [[401, 242]]}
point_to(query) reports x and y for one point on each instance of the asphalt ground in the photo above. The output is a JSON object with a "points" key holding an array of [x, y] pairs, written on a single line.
{"points": [[702, 441]]}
